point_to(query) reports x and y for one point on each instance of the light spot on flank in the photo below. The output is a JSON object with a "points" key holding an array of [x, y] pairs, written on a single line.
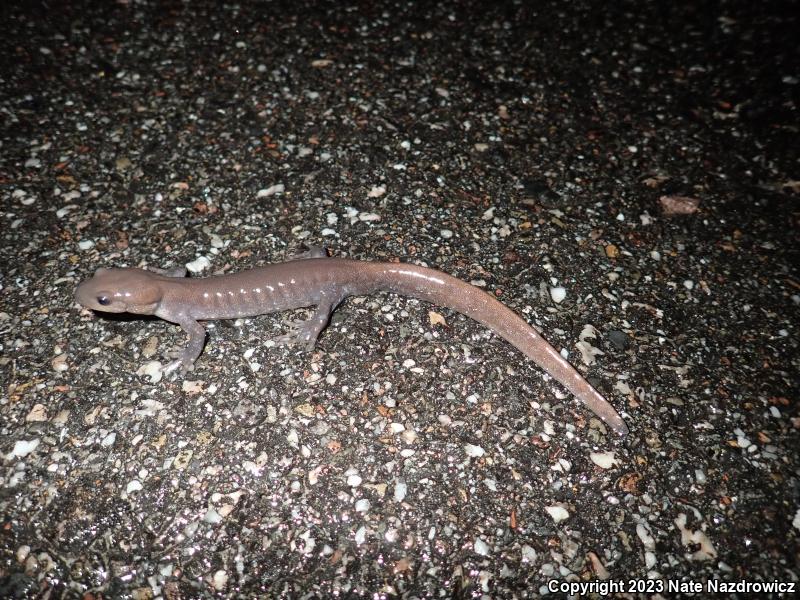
{"points": [[271, 289], [257, 290], [230, 292], [291, 281], [280, 284], [205, 294], [242, 291], [219, 294]]}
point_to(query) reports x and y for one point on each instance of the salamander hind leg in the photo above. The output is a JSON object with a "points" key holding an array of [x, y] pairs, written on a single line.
{"points": [[305, 333], [310, 252], [174, 272]]}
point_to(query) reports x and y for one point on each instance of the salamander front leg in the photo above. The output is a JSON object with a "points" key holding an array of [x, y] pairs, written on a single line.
{"points": [[197, 339]]}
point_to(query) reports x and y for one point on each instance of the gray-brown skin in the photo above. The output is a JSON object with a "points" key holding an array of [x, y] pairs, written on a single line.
{"points": [[317, 280]]}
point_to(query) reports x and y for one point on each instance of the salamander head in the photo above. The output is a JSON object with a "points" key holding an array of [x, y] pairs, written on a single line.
{"points": [[121, 290]]}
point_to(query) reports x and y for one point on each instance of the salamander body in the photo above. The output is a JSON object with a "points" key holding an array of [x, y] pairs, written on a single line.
{"points": [[321, 282]]}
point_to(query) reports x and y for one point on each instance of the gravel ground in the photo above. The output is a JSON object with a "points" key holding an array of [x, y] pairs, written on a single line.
{"points": [[625, 177]]}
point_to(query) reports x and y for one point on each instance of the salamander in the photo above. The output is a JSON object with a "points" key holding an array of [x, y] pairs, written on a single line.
{"points": [[322, 282]]}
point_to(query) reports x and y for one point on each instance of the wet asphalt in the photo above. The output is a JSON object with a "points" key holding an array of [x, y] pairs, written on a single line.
{"points": [[625, 177]]}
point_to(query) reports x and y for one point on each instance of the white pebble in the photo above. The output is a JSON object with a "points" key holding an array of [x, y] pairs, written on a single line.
{"points": [[528, 554], [400, 491], [446, 234], [361, 535], [212, 517], [219, 580], [362, 505], [409, 436], [191, 387], [59, 363], [481, 547], [604, 460], [293, 438], [354, 480], [557, 513], [558, 294], [133, 486], [37, 414], [278, 188], [376, 192], [650, 559], [23, 448], [648, 541], [474, 451], [153, 370], [201, 263]]}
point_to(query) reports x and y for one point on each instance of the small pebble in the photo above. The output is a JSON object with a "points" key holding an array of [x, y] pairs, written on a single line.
{"points": [[400, 490], [558, 294], [474, 451], [198, 265], [557, 513], [278, 188], [22, 448], [481, 547], [604, 460]]}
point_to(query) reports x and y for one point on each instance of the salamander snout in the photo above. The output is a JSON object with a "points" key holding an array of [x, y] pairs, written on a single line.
{"points": [[120, 290]]}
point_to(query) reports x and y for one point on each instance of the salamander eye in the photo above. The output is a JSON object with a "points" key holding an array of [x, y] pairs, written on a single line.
{"points": [[103, 300]]}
